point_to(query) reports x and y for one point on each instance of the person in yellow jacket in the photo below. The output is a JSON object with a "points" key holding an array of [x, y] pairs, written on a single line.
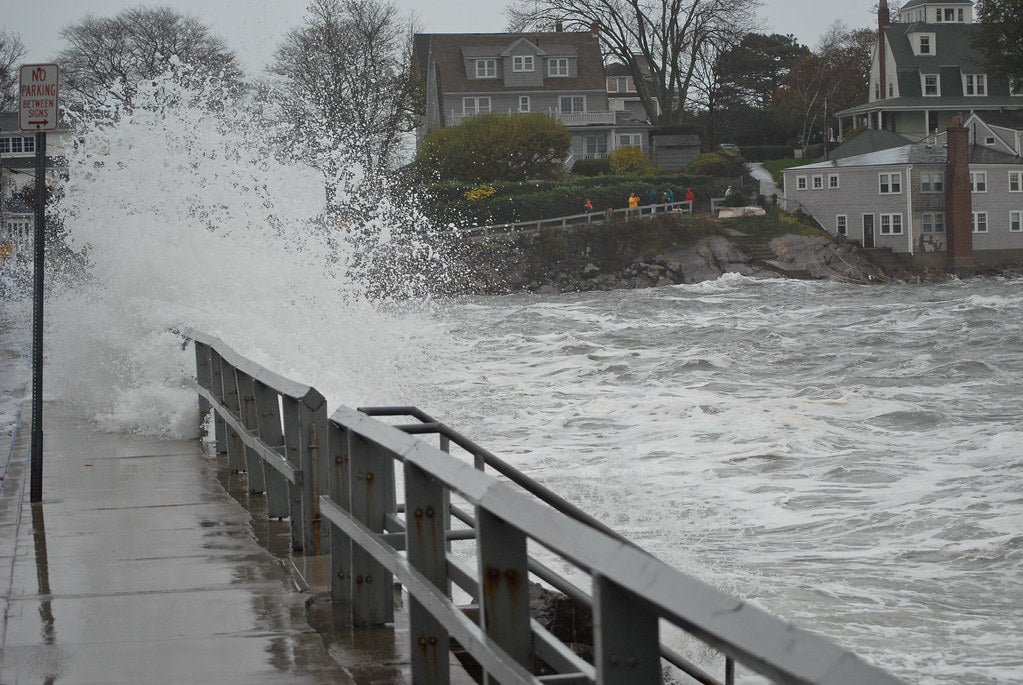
{"points": [[633, 202]]}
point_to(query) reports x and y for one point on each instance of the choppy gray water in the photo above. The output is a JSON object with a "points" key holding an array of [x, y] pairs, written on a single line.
{"points": [[850, 458]]}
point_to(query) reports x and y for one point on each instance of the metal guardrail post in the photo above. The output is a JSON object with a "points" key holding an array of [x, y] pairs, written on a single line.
{"points": [[373, 498], [426, 546], [300, 496], [203, 377], [320, 458], [253, 464], [504, 586], [217, 388], [268, 417], [626, 648], [235, 446], [339, 490]]}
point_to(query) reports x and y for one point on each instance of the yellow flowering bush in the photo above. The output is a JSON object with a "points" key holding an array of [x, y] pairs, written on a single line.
{"points": [[480, 192]]}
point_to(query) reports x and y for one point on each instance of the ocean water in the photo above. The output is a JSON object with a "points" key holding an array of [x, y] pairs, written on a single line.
{"points": [[847, 457]]}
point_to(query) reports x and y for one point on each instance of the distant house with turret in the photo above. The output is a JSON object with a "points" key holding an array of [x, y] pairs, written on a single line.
{"points": [[925, 71]]}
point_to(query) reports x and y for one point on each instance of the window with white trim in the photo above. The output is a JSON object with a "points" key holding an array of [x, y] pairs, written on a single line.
{"points": [[932, 222], [891, 224], [1016, 221], [16, 145], [523, 103], [932, 85], [818, 182], [890, 184], [1016, 182], [978, 222], [800, 182], [619, 84], [522, 63], [572, 104], [630, 140], [832, 181], [924, 44], [557, 66], [471, 106], [978, 181], [596, 144], [1015, 85], [841, 224], [486, 68], [932, 182], [975, 84], [989, 141]]}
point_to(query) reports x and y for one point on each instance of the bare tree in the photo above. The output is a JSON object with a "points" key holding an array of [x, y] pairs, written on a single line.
{"points": [[667, 36], [348, 70], [833, 78], [107, 57], [11, 52]]}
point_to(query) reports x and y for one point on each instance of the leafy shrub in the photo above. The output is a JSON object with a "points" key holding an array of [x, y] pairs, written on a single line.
{"points": [[480, 192], [591, 167], [631, 160], [446, 203], [812, 152], [719, 164], [490, 147]]}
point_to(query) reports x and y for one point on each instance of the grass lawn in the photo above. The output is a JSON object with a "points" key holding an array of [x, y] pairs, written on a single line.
{"points": [[776, 166]]}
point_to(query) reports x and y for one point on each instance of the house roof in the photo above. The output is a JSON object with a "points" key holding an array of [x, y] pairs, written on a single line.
{"points": [[873, 140], [450, 50], [953, 56], [916, 153], [617, 69], [916, 3], [1010, 120]]}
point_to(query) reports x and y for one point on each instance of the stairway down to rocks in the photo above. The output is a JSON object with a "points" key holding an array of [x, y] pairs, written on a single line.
{"points": [[752, 246]]}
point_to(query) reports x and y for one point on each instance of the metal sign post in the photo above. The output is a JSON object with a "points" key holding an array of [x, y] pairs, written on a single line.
{"points": [[37, 111]]}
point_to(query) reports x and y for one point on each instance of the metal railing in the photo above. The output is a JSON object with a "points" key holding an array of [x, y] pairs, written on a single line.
{"points": [[573, 220], [345, 469]]}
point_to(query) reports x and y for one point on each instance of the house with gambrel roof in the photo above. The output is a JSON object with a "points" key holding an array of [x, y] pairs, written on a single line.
{"points": [[924, 72], [560, 74]]}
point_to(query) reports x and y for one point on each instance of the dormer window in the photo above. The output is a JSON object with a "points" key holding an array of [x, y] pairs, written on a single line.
{"points": [[486, 68], [522, 63], [932, 86], [924, 44], [557, 66], [975, 84]]}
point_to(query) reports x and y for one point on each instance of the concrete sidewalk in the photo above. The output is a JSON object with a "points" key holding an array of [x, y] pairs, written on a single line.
{"points": [[138, 567]]}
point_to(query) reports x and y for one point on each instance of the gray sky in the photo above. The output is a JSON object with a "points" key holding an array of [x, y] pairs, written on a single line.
{"points": [[254, 27]]}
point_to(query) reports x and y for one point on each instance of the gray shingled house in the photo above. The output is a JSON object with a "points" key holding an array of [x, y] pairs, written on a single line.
{"points": [[924, 71], [560, 74], [902, 198]]}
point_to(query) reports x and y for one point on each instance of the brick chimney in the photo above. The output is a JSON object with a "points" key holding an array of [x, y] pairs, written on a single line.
{"points": [[958, 197]]}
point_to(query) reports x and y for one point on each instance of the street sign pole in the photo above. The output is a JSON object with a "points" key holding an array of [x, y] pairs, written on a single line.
{"points": [[36, 477], [38, 112]]}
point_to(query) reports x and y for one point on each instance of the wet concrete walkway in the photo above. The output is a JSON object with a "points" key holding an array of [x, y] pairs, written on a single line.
{"points": [[138, 567]]}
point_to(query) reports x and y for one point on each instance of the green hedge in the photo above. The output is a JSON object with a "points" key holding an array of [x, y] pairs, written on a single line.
{"points": [[445, 203], [764, 153], [591, 167]]}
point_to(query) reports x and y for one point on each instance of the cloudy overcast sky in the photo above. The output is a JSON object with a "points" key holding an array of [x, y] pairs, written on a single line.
{"points": [[254, 27]]}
